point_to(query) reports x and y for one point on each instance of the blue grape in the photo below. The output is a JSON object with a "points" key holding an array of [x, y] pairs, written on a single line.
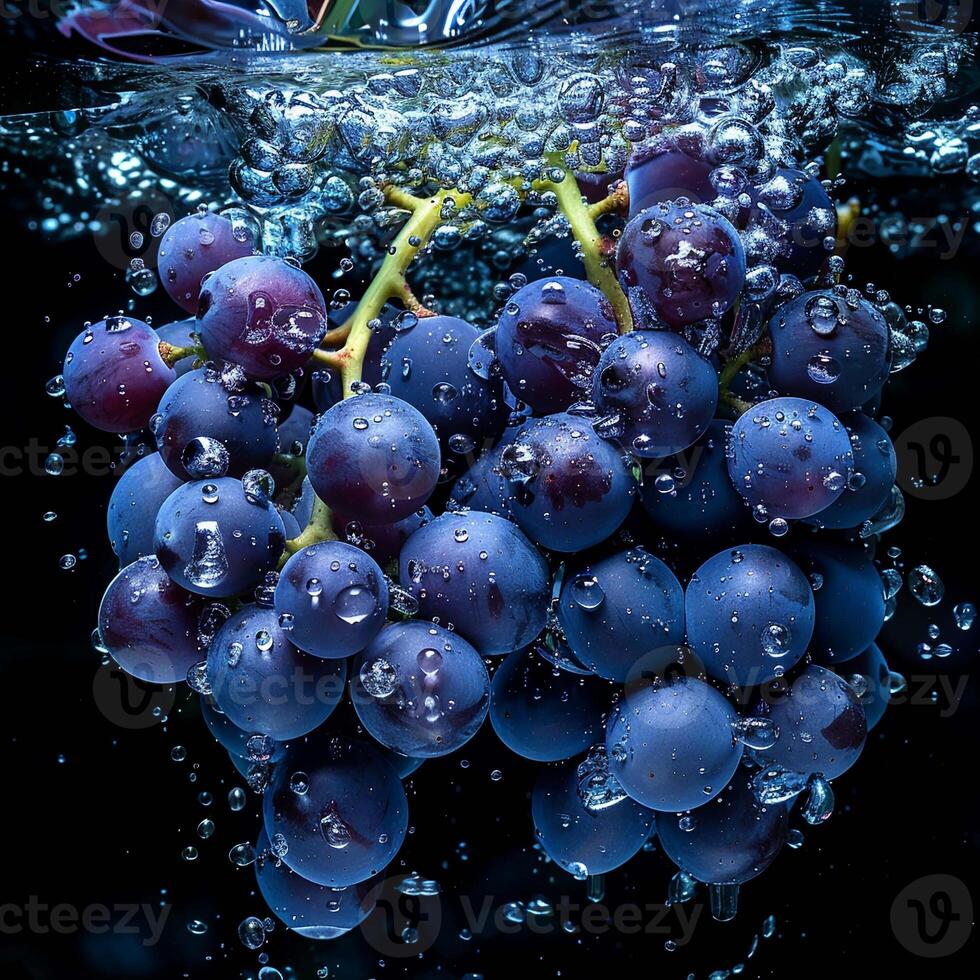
{"points": [[262, 313], [332, 599], [876, 680], [229, 735], [154, 629], [428, 367], [750, 614], [295, 430], [872, 479], [848, 596], [831, 348], [672, 745], [542, 712], [620, 608], [350, 819], [206, 427], [701, 505], [114, 374], [180, 333], [374, 456], [479, 574], [821, 723], [264, 684], [571, 489], [482, 487], [729, 842], [789, 458], [662, 391], [420, 690], [136, 499], [194, 247], [383, 541], [548, 341], [577, 825], [795, 211], [314, 911], [215, 538], [680, 263], [659, 177], [551, 257]]}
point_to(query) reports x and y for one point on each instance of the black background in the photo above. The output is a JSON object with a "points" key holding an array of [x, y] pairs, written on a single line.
{"points": [[108, 823]]}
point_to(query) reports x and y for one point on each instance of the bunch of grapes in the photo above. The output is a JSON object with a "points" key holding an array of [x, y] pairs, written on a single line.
{"points": [[643, 548]]}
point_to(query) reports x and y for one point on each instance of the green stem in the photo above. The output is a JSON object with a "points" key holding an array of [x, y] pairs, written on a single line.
{"points": [[171, 355], [389, 283], [319, 529], [581, 221]]}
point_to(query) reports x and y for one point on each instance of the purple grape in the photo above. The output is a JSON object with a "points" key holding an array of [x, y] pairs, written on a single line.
{"points": [[263, 313], [420, 690], [702, 504], [114, 374], [680, 263], [374, 456], [383, 541], [232, 738], [848, 596], [672, 745], [339, 810], [661, 392], [543, 713], [482, 487], [208, 427], [314, 911], [577, 825], [750, 614], [872, 478], [332, 599], [194, 247], [180, 333], [428, 367], [620, 608], [215, 538], [136, 499], [264, 684], [874, 680], [154, 629], [821, 723], [295, 430], [571, 489], [793, 211], [789, 458], [548, 341], [478, 574], [666, 176], [729, 842], [832, 348]]}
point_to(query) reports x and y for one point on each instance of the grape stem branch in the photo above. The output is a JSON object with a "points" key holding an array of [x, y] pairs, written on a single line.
{"points": [[425, 214], [729, 371], [595, 247], [319, 529]]}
